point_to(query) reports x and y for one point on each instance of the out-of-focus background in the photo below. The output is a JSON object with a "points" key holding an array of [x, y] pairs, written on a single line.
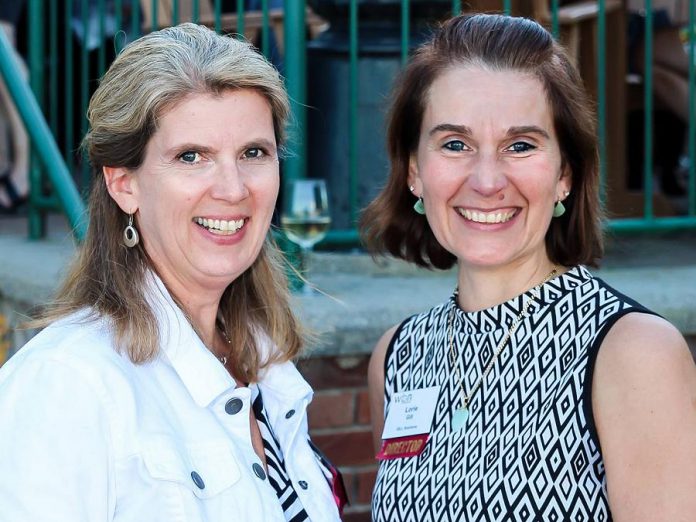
{"points": [[339, 59]]}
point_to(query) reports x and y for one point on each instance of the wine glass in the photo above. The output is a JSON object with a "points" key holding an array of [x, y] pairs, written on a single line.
{"points": [[305, 217]]}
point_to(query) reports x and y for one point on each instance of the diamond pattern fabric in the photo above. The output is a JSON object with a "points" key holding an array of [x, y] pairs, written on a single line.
{"points": [[529, 450]]}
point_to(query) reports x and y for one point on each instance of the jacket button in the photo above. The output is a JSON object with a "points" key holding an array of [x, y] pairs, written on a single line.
{"points": [[233, 406], [289, 414], [197, 480], [303, 484], [258, 470]]}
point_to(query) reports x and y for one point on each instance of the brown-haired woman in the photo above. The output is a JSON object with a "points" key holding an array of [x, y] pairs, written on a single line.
{"points": [[163, 387], [540, 392]]}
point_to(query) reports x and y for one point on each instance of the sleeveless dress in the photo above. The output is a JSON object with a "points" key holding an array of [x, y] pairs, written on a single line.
{"points": [[529, 450]]}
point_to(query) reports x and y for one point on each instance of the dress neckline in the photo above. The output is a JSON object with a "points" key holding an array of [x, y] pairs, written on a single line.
{"points": [[503, 314]]}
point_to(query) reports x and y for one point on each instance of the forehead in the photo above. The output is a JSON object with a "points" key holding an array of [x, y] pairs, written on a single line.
{"points": [[229, 110], [473, 94]]}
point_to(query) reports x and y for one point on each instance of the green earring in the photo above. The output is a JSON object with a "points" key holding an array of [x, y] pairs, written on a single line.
{"points": [[419, 207], [558, 209]]}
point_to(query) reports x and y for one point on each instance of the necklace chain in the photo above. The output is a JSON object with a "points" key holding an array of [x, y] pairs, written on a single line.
{"points": [[223, 358], [466, 399]]}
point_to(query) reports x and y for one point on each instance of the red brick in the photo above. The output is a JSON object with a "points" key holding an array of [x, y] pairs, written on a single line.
{"points": [[324, 373], [350, 481], [347, 448], [363, 408], [332, 409], [357, 516], [365, 485]]}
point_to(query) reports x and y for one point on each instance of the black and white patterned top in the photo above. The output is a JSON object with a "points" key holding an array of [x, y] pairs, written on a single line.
{"points": [[530, 449], [275, 464]]}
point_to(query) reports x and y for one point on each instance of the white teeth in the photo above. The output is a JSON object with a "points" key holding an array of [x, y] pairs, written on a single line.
{"points": [[220, 226], [486, 217]]}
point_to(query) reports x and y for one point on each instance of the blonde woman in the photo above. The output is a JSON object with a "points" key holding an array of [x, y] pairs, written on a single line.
{"points": [[162, 388]]}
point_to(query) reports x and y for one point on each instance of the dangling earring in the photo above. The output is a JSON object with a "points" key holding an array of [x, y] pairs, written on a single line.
{"points": [[419, 207], [559, 208], [130, 234]]}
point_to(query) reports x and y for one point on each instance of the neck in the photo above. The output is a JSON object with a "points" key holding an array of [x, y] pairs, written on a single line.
{"points": [[201, 308], [484, 287], [199, 303]]}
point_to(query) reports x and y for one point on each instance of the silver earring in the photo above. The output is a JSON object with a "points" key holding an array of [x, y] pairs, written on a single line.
{"points": [[558, 209], [411, 188], [130, 234], [419, 207]]}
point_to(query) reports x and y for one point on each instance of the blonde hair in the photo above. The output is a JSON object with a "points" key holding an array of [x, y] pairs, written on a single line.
{"points": [[149, 77]]}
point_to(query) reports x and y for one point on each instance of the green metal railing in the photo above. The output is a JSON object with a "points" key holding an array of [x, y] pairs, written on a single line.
{"points": [[54, 57], [42, 140]]}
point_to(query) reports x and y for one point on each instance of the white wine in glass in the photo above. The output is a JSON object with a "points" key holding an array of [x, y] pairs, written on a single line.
{"points": [[305, 217]]}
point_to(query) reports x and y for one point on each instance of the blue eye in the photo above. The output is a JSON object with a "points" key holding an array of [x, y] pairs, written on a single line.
{"points": [[254, 153], [190, 156], [455, 146], [521, 146]]}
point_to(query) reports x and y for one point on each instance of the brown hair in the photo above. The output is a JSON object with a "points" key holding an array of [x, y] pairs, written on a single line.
{"points": [[149, 77], [494, 42]]}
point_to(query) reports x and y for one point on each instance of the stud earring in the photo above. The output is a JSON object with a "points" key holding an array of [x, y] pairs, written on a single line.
{"points": [[419, 207], [130, 234], [411, 188], [558, 209]]}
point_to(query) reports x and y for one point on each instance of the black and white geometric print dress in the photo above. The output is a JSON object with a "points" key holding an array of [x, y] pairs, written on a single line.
{"points": [[529, 451]]}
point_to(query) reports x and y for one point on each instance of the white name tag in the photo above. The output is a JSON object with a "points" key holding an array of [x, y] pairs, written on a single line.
{"points": [[410, 413]]}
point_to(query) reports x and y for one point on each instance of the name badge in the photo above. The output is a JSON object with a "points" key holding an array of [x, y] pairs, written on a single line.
{"points": [[407, 426]]}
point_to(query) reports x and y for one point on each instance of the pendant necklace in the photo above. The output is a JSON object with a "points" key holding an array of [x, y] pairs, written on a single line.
{"points": [[223, 358], [461, 414]]}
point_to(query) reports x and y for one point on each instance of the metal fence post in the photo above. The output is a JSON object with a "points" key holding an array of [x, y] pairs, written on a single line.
{"points": [[296, 82], [41, 139], [36, 216]]}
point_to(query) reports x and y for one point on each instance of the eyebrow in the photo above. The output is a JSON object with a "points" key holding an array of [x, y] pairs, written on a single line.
{"points": [[527, 129], [450, 127], [261, 142], [182, 147], [466, 131]]}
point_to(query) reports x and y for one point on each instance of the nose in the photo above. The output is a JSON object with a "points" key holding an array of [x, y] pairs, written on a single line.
{"points": [[229, 183], [488, 174]]}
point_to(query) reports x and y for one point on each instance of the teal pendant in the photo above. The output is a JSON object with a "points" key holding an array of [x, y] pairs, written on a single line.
{"points": [[459, 418]]}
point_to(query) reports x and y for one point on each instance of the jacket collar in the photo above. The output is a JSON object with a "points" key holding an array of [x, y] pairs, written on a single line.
{"points": [[200, 371]]}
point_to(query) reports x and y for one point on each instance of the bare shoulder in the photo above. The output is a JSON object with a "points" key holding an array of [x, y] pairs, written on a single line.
{"points": [[376, 367], [644, 405], [641, 342]]}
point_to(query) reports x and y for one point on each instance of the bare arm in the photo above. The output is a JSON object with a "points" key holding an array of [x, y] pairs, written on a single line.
{"points": [[644, 403], [375, 383]]}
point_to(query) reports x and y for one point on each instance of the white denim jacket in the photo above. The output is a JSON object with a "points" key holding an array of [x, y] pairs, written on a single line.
{"points": [[88, 436]]}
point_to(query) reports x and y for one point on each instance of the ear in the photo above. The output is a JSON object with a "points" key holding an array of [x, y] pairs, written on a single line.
{"points": [[565, 182], [121, 184], [413, 176]]}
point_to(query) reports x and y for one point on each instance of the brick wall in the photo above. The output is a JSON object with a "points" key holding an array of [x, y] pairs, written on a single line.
{"points": [[339, 422]]}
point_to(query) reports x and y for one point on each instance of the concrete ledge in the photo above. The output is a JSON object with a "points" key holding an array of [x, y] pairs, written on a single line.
{"points": [[362, 298], [364, 306]]}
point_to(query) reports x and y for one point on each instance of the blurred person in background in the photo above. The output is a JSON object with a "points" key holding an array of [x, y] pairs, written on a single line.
{"points": [[537, 391], [670, 83], [162, 387], [14, 142]]}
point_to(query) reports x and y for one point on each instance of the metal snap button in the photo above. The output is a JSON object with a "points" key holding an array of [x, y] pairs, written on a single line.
{"points": [[303, 484], [197, 480], [233, 406], [289, 414], [258, 470]]}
